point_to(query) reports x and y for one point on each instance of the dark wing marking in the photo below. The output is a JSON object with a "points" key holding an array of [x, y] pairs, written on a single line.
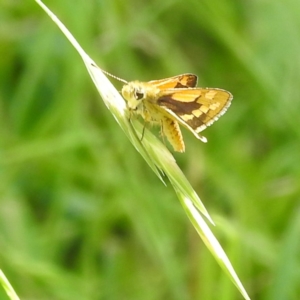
{"points": [[179, 107]]}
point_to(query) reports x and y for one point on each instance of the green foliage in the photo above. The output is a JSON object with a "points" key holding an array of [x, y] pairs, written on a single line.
{"points": [[82, 215]]}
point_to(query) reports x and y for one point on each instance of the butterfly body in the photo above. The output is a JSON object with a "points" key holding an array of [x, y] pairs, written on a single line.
{"points": [[176, 100]]}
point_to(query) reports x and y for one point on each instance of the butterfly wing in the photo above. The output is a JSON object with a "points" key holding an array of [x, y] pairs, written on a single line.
{"points": [[195, 108], [180, 81]]}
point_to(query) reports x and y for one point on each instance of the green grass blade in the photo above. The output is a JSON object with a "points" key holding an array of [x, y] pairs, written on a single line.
{"points": [[8, 288]]}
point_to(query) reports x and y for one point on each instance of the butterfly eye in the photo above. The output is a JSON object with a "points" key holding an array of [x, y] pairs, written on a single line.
{"points": [[138, 95]]}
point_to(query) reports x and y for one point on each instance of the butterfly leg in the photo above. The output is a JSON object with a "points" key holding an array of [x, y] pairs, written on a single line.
{"points": [[143, 132], [162, 131]]}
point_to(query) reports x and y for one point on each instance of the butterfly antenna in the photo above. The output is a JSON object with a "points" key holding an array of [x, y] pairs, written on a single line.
{"points": [[113, 76]]}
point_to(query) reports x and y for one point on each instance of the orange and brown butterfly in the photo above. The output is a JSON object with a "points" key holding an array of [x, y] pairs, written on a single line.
{"points": [[176, 100]]}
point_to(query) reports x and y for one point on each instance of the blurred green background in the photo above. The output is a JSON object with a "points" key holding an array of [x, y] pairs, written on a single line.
{"points": [[83, 217]]}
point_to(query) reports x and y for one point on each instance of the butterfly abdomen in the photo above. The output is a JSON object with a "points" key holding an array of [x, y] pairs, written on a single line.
{"points": [[170, 129]]}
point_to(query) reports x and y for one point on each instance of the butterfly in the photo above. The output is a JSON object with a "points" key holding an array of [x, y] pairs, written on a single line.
{"points": [[175, 101]]}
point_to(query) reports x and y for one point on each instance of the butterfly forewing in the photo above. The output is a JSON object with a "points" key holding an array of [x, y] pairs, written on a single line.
{"points": [[195, 107], [180, 81]]}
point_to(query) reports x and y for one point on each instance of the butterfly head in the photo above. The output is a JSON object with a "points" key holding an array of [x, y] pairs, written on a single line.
{"points": [[134, 93]]}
